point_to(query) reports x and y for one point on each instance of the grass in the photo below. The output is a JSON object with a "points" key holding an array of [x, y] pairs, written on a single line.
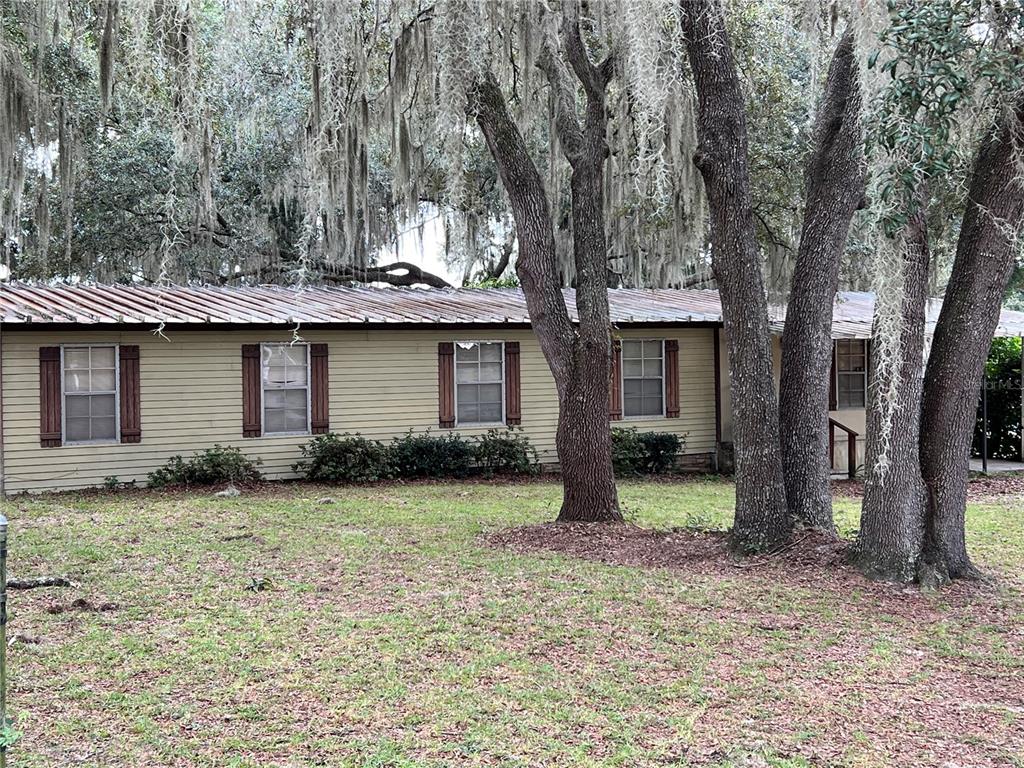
{"points": [[383, 630]]}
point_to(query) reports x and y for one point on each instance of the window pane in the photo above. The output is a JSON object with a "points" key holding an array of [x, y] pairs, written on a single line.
{"points": [[652, 367], [632, 387], [102, 357], [77, 429], [275, 421], [632, 406], [632, 349], [490, 371], [651, 387], [294, 354], [76, 381], [102, 381], [469, 413], [632, 368], [490, 393], [295, 419], [77, 406], [652, 406], [467, 352], [468, 393], [467, 373], [490, 353], [490, 412], [103, 428], [296, 376], [652, 349], [76, 358], [273, 398], [100, 405]]}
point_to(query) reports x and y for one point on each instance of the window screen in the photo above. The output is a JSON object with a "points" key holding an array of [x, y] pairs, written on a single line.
{"points": [[285, 372], [90, 393], [479, 380], [643, 385]]}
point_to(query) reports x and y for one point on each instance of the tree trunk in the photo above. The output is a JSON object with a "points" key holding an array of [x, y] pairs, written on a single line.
{"points": [[834, 189], [892, 518], [985, 256], [579, 361], [761, 519]]}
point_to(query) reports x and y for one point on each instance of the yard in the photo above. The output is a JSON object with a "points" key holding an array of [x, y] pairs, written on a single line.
{"points": [[399, 626]]}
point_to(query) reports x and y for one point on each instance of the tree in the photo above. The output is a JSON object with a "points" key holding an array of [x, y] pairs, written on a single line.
{"points": [[579, 359], [761, 519], [834, 190]]}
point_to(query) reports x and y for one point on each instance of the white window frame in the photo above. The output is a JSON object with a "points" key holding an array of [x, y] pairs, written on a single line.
{"points": [[455, 383], [623, 377], [308, 387], [839, 374], [116, 439]]}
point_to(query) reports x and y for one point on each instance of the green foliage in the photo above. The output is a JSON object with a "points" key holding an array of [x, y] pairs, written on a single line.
{"points": [[215, 465], [424, 455], [507, 451], [650, 453], [9, 735], [1003, 382], [344, 459]]}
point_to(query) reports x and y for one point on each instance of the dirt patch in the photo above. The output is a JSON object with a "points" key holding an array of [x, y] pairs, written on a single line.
{"points": [[980, 488], [80, 605]]}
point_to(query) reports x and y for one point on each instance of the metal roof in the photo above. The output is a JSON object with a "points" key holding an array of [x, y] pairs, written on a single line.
{"points": [[22, 304]]}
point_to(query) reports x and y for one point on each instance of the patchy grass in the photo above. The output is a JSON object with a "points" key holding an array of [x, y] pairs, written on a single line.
{"points": [[386, 629]]}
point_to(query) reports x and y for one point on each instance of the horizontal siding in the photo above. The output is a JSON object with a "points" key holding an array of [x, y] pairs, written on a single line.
{"points": [[382, 384]]}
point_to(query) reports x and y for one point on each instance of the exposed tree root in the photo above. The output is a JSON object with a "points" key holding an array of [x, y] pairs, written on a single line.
{"points": [[41, 581]]}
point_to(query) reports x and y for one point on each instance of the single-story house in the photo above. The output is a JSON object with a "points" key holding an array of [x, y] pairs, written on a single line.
{"points": [[111, 381]]}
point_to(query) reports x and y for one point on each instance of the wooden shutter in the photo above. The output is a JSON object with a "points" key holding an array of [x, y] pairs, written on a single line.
{"points": [[49, 397], [513, 415], [319, 407], [131, 399], [615, 390], [446, 384], [251, 395], [672, 378], [833, 402]]}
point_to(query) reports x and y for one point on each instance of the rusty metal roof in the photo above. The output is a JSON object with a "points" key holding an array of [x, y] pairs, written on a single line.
{"points": [[22, 304]]}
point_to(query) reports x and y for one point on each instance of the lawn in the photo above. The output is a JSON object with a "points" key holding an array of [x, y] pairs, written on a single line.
{"points": [[388, 627]]}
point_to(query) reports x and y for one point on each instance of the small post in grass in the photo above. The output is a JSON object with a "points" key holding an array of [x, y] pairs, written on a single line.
{"points": [[3, 642]]}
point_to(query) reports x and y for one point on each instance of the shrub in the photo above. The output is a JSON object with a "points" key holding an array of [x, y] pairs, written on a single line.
{"points": [[660, 451], [505, 450], [212, 466], [425, 455], [644, 452], [344, 459]]}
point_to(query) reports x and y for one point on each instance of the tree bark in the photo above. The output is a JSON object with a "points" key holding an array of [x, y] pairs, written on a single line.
{"points": [[579, 359], [985, 256], [892, 517], [761, 519], [835, 180]]}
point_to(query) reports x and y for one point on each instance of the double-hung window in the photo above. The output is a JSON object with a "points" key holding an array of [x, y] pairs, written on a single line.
{"points": [[643, 377], [285, 380], [89, 375], [479, 382], [851, 373]]}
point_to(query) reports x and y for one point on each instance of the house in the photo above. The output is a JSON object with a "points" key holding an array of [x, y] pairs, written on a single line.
{"points": [[111, 381]]}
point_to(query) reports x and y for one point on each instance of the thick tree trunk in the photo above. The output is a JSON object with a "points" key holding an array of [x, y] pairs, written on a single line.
{"points": [[892, 517], [985, 255], [579, 359], [761, 519], [834, 189]]}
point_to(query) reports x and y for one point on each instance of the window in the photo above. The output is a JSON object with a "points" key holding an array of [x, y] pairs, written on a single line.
{"points": [[643, 384], [479, 382], [285, 373], [851, 373], [90, 393]]}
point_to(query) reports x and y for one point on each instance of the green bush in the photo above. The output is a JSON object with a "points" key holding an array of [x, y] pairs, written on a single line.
{"points": [[506, 451], [344, 459], [211, 467], [425, 455], [649, 453]]}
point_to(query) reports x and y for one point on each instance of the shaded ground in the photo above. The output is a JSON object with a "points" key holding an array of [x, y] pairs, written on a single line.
{"points": [[426, 626]]}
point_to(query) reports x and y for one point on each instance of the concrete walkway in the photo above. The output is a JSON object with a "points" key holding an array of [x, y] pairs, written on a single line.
{"points": [[998, 465]]}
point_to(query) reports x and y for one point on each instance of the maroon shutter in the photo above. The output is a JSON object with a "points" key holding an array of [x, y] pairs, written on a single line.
{"points": [[131, 400], [833, 402], [251, 400], [513, 415], [318, 395], [672, 378], [446, 384], [615, 390], [49, 397]]}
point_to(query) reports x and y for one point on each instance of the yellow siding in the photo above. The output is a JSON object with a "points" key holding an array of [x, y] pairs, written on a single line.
{"points": [[382, 383]]}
